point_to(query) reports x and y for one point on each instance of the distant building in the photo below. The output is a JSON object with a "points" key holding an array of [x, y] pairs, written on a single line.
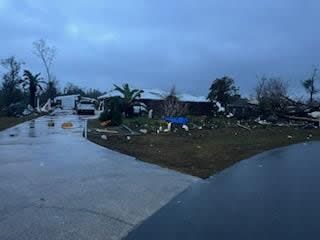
{"points": [[153, 99], [243, 108], [67, 102]]}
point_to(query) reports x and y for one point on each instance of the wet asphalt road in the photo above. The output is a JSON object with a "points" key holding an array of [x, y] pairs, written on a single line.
{"points": [[56, 185], [275, 195]]}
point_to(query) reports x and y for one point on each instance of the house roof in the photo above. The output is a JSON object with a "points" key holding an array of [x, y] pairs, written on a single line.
{"points": [[157, 94], [67, 96]]}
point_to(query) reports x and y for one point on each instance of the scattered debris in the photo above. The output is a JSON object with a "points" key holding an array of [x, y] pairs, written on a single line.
{"points": [[302, 119], [27, 111], [144, 131], [244, 127], [262, 122], [105, 123], [168, 129], [230, 115], [104, 137], [220, 107], [106, 131], [150, 114], [290, 137], [177, 120], [127, 128], [47, 106], [314, 114], [128, 138], [309, 137], [185, 127]]}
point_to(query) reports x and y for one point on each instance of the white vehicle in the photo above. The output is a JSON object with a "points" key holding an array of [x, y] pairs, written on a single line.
{"points": [[86, 107]]}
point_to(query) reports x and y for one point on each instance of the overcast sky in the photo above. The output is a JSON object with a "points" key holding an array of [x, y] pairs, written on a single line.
{"points": [[158, 43]]}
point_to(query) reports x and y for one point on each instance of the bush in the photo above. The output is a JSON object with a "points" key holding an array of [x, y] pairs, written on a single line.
{"points": [[15, 109], [113, 112]]}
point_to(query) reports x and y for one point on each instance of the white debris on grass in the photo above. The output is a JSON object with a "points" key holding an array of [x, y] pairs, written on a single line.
{"points": [[28, 110], [315, 114], [47, 106], [230, 115], [185, 127], [168, 129], [261, 122], [309, 137], [220, 107], [150, 114], [290, 137], [104, 137], [144, 131]]}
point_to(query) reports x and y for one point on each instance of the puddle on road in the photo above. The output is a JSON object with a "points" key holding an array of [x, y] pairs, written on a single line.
{"points": [[45, 126], [32, 129]]}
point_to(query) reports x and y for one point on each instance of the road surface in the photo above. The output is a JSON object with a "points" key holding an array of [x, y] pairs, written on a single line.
{"points": [[56, 185], [274, 195]]}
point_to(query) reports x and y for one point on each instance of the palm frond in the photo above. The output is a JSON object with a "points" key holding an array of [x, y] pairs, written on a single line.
{"points": [[136, 94], [118, 89]]}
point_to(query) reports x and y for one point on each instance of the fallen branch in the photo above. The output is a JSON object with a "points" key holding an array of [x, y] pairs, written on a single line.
{"points": [[106, 131], [244, 127], [302, 119], [129, 129]]}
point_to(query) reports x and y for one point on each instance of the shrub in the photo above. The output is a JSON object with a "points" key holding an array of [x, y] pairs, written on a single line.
{"points": [[113, 112]]}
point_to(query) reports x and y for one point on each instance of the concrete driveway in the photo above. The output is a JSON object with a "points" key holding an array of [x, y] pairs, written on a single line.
{"points": [[54, 184]]}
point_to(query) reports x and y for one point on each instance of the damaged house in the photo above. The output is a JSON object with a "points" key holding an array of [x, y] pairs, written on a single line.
{"points": [[243, 108], [152, 99]]}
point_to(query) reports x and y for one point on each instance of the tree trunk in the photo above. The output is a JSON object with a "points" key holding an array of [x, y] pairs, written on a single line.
{"points": [[32, 96]]}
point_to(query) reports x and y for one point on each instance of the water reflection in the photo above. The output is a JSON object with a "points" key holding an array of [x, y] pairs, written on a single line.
{"points": [[32, 129]]}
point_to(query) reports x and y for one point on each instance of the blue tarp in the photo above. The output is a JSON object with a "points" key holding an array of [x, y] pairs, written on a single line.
{"points": [[177, 120]]}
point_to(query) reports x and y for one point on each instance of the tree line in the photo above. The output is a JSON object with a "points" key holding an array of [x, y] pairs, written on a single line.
{"points": [[272, 94], [20, 87]]}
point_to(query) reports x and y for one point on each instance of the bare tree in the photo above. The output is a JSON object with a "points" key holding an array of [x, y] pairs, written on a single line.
{"points": [[272, 95], [46, 53], [172, 106], [309, 84]]}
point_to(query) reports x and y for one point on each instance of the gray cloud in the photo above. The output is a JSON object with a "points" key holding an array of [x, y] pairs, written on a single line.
{"points": [[155, 44]]}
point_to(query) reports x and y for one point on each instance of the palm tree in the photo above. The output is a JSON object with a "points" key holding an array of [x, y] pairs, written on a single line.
{"points": [[33, 84], [129, 98]]}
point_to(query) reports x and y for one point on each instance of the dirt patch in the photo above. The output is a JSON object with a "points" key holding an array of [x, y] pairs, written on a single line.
{"points": [[204, 152]]}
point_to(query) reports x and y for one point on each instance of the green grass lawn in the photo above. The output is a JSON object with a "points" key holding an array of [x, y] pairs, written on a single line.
{"points": [[202, 152]]}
